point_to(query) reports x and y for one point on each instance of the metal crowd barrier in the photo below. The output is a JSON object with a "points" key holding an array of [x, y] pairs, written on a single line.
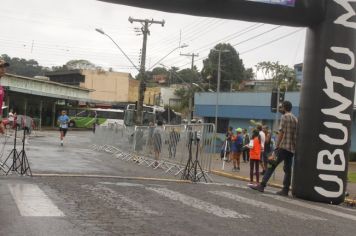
{"points": [[139, 144]]}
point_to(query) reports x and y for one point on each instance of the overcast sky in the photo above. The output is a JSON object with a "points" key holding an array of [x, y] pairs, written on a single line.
{"points": [[54, 32]]}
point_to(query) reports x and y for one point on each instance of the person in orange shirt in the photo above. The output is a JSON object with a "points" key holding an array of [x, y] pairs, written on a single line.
{"points": [[255, 155]]}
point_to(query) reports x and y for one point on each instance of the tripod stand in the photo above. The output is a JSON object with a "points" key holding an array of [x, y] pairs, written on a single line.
{"points": [[14, 155], [192, 167], [24, 164]]}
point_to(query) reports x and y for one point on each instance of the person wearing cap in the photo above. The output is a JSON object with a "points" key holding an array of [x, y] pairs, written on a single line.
{"points": [[236, 148], [3, 66]]}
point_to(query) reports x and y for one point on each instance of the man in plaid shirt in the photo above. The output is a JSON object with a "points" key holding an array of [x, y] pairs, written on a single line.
{"points": [[285, 148]]}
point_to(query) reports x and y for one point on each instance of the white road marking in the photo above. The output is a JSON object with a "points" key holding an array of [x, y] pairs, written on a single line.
{"points": [[267, 206], [198, 204], [122, 184], [235, 186], [312, 207], [32, 201], [120, 202]]}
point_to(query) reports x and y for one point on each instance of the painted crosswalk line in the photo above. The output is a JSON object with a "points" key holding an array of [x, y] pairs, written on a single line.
{"points": [[32, 201], [198, 204], [313, 207], [120, 202], [267, 206]]}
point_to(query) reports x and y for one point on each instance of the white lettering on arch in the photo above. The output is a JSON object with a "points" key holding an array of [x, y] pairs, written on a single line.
{"points": [[342, 66], [345, 103], [334, 141], [321, 165], [344, 19], [331, 194]]}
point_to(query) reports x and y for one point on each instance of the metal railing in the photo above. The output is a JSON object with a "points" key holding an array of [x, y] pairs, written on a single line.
{"points": [[165, 148]]}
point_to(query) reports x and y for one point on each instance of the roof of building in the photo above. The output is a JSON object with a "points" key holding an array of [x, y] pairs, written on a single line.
{"points": [[49, 82]]}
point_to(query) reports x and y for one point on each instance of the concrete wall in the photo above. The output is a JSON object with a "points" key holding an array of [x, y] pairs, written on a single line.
{"points": [[133, 90], [109, 86], [242, 98], [168, 93], [152, 95]]}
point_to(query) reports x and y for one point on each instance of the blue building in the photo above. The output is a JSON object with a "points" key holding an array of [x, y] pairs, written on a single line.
{"points": [[298, 68], [238, 109]]}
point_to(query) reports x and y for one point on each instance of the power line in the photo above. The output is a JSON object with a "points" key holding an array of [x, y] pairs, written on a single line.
{"points": [[272, 41], [229, 37], [262, 45], [248, 39], [159, 47], [256, 36]]}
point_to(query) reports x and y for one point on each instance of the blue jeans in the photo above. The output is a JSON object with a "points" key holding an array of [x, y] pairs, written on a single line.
{"points": [[287, 157]]}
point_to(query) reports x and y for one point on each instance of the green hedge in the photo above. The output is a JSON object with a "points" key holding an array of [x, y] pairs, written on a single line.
{"points": [[352, 156]]}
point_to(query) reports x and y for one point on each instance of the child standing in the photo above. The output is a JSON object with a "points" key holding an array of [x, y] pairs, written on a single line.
{"points": [[236, 148], [255, 155]]}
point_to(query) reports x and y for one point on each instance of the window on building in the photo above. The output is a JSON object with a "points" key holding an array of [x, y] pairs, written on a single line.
{"points": [[223, 123]]}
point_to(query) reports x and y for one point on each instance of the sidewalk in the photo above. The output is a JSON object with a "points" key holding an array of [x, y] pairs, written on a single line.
{"points": [[276, 179]]}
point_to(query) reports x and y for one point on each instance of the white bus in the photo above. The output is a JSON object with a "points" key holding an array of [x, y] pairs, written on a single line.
{"points": [[86, 117], [151, 114]]}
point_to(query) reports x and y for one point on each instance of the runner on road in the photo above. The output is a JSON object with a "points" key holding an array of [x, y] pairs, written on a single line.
{"points": [[63, 121]]}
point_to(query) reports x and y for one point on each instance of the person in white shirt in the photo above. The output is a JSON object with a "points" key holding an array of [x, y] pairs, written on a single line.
{"points": [[263, 139]]}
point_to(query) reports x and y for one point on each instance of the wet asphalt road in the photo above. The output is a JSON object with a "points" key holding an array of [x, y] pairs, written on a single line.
{"points": [[122, 206]]}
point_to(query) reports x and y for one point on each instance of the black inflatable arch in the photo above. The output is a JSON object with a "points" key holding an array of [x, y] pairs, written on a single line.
{"points": [[326, 106]]}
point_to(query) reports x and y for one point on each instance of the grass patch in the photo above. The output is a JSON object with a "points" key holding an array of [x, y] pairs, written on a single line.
{"points": [[352, 177]]}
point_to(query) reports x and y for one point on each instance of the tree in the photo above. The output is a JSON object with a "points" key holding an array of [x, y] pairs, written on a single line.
{"points": [[80, 64], [184, 95], [249, 74], [75, 65], [23, 67], [232, 68], [160, 71], [282, 75], [189, 75]]}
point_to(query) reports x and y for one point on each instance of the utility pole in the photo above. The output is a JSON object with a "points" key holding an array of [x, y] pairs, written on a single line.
{"points": [[218, 87], [141, 92], [190, 89]]}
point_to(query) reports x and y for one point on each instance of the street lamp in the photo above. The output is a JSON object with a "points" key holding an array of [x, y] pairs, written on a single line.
{"points": [[122, 51], [218, 88], [181, 46]]}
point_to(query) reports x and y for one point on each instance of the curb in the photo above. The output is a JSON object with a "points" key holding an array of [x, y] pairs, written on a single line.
{"points": [[112, 177], [224, 174], [348, 201]]}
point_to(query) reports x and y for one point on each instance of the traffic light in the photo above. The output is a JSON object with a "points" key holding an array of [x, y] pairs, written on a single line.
{"points": [[274, 97]]}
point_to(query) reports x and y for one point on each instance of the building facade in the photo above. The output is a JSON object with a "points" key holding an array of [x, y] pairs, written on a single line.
{"points": [[107, 88], [40, 98], [245, 108]]}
